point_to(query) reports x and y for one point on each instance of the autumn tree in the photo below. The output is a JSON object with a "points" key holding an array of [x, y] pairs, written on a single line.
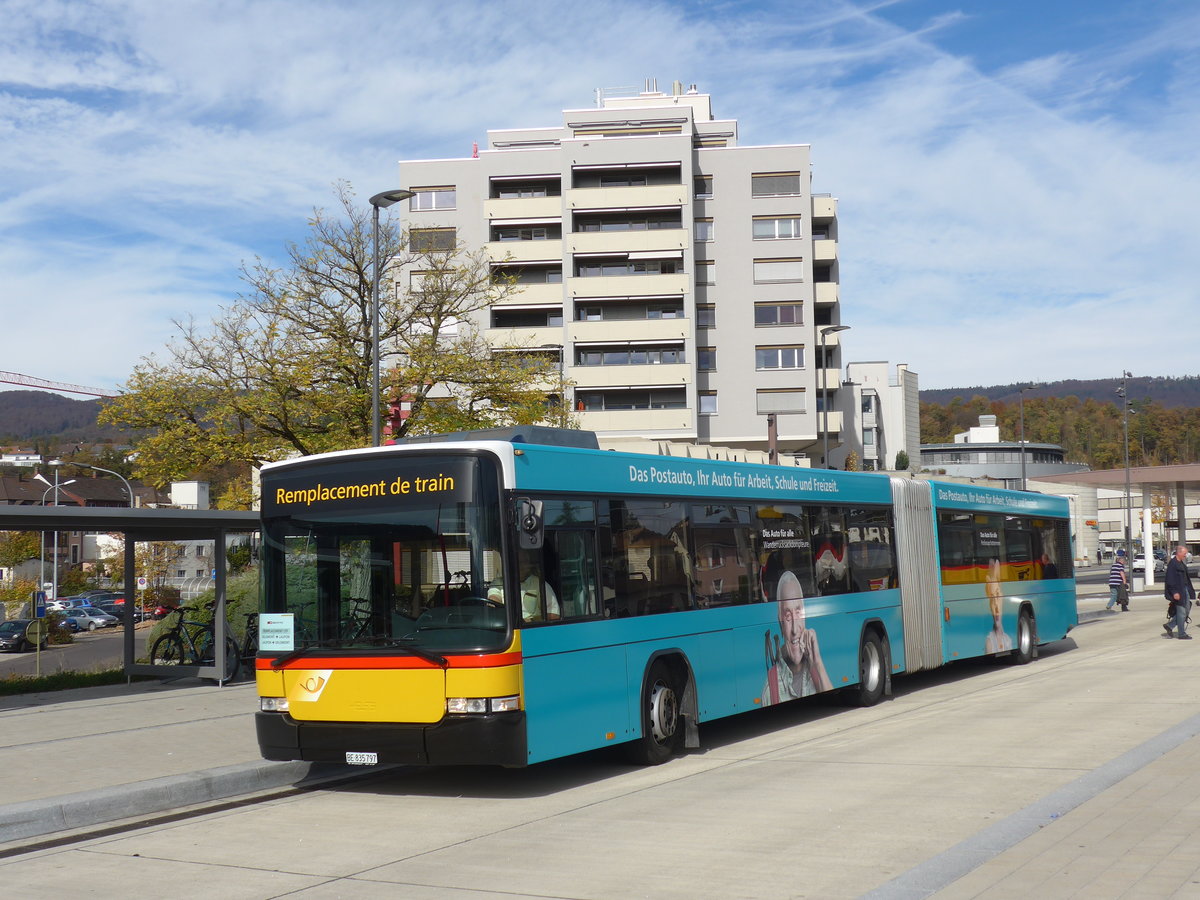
{"points": [[287, 368]]}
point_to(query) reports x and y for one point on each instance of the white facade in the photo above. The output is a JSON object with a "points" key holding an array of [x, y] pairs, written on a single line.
{"points": [[883, 415], [682, 280]]}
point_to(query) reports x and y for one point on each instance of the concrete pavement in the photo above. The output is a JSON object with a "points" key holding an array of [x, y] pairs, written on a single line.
{"points": [[1116, 831], [74, 759]]}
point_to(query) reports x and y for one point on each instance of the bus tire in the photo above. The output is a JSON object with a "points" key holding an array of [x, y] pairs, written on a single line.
{"points": [[1026, 639], [872, 670], [662, 726]]}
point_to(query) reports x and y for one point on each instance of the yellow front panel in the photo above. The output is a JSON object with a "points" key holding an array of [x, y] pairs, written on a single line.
{"points": [[365, 695], [503, 681]]}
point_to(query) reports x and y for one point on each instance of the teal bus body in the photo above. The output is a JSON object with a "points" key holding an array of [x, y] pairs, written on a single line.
{"points": [[838, 581], [583, 680]]}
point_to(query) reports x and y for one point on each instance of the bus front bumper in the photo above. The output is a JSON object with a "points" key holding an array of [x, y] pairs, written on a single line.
{"points": [[497, 739]]}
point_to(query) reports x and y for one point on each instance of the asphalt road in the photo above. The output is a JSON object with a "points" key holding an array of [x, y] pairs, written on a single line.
{"points": [[91, 651]]}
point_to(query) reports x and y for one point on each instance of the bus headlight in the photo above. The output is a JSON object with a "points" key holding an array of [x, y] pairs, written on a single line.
{"points": [[273, 704], [463, 705]]}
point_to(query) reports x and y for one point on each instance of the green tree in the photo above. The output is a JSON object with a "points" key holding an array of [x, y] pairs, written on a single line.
{"points": [[287, 368], [902, 462], [17, 547]]}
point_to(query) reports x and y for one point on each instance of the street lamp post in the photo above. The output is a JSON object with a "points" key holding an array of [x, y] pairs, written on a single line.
{"points": [[827, 330], [56, 486], [1021, 404], [379, 201], [1123, 390]]}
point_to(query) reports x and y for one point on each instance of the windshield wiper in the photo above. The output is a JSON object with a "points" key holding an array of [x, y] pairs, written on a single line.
{"points": [[338, 644], [307, 649]]}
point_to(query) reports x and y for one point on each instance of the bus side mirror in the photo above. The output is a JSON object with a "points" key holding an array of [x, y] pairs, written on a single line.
{"points": [[529, 524]]}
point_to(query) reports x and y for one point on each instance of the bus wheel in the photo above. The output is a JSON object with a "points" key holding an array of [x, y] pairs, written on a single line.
{"points": [[1023, 652], [661, 729], [872, 679]]}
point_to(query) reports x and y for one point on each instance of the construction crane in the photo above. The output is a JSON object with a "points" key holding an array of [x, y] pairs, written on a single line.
{"points": [[30, 381]]}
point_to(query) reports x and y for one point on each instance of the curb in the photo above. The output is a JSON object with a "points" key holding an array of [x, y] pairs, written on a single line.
{"points": [[34, 818]]}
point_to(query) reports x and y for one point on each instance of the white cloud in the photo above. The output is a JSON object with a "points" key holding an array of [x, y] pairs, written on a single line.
{"points": [[990, 222]]}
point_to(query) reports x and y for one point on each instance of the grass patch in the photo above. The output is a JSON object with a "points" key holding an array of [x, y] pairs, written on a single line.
{"points": [[62, 681]]}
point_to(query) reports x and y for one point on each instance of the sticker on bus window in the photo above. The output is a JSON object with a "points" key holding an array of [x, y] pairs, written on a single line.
{"points": [[276, 631]]}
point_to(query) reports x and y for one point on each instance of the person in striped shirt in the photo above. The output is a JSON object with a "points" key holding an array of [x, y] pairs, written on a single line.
{"points": [[1118, 583]]}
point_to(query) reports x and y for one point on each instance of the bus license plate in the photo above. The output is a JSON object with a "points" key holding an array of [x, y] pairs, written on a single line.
{"points": [[362, 759]]}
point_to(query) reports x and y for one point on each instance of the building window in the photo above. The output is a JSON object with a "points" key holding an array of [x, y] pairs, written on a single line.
{"points": [[767, 228], [767, 314], [706, 317], [423, 240], [767, 271], [630, 356], [704, 229], [529, 275], [626, 222], [706, 358], [706, 272], [775, 184], [607, 401], [526, 318], [766, 358], [616, 267], [704, 187], [518, 191], [433, 198], [708, 403], [780, 401], [622, 180], [540, 233]]}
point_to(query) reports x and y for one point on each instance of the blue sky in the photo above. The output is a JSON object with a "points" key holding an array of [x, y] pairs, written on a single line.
{"points": [[1018, 182]]}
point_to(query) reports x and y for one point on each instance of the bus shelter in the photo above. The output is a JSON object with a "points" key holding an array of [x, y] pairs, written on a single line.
{"points": [[1179, 484], [136, 525]]}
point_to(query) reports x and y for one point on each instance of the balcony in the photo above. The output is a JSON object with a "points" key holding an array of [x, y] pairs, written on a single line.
{"points": [[523, 208], [825, 293], [621, 330], [835, 422], [824, 207], [523, 337], [824, 250], [524, 251], [623, 197], [829, 379], [665, 239], [631, 285], [534, 293], [638, 421], [631, 376]]}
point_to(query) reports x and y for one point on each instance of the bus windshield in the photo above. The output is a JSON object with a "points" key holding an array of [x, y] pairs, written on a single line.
{"points": [[367, 561]]}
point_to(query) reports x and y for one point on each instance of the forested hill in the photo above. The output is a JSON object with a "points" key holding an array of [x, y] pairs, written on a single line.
{"points": [[26, 415], [1086, 418], [1169, 393]]}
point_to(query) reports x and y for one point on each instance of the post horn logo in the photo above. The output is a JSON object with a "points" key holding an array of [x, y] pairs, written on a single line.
{"points": [[310, 687]]}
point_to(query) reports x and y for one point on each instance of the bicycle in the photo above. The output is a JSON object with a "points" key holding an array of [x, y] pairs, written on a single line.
{"points": [[193, 643], [248, 650]]}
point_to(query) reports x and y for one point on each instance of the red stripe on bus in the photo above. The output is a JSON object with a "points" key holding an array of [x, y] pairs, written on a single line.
{"points": [[392, 662]]}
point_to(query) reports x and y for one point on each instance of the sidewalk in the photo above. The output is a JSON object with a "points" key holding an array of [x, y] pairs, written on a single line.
{"points": [[73, 759]]}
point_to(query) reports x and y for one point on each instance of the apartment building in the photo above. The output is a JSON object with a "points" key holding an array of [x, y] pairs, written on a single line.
{"points": [[687, 285]]}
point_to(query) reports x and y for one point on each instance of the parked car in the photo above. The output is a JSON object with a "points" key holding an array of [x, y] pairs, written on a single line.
{"points": [[89, 618], [22, 634], [60, 604]]}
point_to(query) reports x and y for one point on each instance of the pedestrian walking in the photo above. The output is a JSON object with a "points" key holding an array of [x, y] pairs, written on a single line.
{"points": [[1118, 583], [1180, 595]]}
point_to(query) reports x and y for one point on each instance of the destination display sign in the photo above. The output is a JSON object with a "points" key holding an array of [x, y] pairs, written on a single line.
{"points": [[368, 484]]}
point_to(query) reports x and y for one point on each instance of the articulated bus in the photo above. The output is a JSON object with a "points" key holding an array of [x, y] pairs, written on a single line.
{"points": [[487, 601]]}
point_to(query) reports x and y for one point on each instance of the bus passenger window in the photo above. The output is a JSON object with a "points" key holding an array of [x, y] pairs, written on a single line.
{"points": [[575, 555], [539, 600]]}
